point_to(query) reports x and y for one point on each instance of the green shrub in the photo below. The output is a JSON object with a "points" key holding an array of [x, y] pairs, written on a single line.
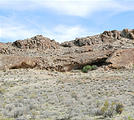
{"points": [[94, 67], [130, 118], [86, 68], [109, 109], [89, 67]]}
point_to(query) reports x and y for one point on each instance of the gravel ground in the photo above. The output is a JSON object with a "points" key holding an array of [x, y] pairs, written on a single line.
{"points": [[28, 94]]}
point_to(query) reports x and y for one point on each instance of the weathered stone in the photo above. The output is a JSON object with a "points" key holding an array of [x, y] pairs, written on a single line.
{"points": [[75, 61], [60, 63], [107, 37], [37, 42], [67, 44], [85, 41], [43, 53], [15, 62], [4, 49], [123, 58], [128, 33], [110, 36]]}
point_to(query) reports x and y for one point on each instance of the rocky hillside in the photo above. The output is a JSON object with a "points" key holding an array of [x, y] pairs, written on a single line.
{"points": [[41, 79], [40, 52]]}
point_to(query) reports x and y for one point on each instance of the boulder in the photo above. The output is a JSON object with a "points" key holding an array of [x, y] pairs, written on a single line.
{"points": [[110, 36], [16, 62], [123, 58]]}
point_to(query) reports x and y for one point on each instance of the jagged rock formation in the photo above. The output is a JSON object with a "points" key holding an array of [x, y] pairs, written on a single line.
{"points": [[37, 42], [112, 39], [128, 33], [43, 53], [5, 48]]}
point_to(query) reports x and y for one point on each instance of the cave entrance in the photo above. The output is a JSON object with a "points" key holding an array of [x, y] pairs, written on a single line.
{"points": [[98, 63]]}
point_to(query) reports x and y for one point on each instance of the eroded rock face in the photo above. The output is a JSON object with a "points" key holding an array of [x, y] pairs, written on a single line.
{"points": [[107, 38], [110, 36], [75, 61], [104, 38], [123, 58], [128, 33], [3, 48], [6, 49], [85, 41], [60, 63], [37, 42], [43, 53], [16, 62]]}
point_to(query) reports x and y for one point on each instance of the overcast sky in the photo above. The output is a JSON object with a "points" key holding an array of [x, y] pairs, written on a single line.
{"points": [[62, 20]]}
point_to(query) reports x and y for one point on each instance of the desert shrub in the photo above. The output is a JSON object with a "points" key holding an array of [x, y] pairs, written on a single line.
{"points": [[94, 67], [119, 108], [2, 90], [107, 109], [130, 118], [2, 118], [88, 67], [105, 106], [110, 109]]}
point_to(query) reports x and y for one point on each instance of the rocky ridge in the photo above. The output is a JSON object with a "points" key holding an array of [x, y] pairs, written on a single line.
{"points": [[43, 53], [31, 88]]}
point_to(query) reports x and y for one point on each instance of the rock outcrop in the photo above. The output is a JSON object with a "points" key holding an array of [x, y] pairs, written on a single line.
{"points": [[15, 62], [106, 38], [113, 35], [60, 63], [77, 61], [37, 42], [90, 40], [110, 47], [128, 33], [123, 58]]}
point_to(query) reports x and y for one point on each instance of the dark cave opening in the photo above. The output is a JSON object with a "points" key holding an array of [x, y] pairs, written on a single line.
{"points": [[98, 63]]}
